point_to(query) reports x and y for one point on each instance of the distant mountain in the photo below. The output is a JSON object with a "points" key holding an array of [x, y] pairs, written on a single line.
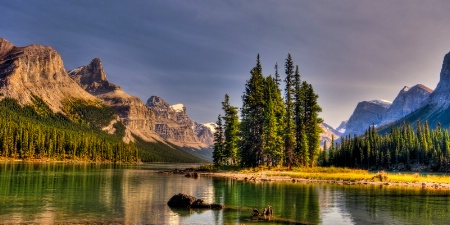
{"points": [[342, 127], [173, 123], [407, 101], [381, 112], [327, 133], [436, 108], [366, 113], [205, 132]]}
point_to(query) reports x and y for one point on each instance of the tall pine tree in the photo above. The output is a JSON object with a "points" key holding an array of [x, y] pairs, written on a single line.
{"points": [[288, 118], [231, 129], [218, 153], [252, 122]]}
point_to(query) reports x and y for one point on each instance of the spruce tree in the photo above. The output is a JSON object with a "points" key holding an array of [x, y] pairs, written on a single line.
{"points": [[273, 123], [218, 153], [252, 122], [231, 129], [301, 147], [288, 118], [312, 122]]}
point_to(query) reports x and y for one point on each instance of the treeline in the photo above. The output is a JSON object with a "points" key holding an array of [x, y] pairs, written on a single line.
{"points": [[272, 130], [403, 148], [35, 132]]}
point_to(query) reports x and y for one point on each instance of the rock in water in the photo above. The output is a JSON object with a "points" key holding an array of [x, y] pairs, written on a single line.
{"points": [[181, 201], [186, 201]]}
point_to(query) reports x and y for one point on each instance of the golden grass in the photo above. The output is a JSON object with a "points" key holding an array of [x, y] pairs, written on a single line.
{"points": [[339, 174]]}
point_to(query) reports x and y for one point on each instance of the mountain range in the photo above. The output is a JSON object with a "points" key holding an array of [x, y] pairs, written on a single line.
{"points": [[412, 104], [37, 72]]}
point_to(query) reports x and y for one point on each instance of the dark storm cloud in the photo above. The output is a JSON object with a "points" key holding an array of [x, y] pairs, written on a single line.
{"points": [[194, 52]]}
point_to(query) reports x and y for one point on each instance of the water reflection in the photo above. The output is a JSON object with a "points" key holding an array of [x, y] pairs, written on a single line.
{"points": [[49, 193]]}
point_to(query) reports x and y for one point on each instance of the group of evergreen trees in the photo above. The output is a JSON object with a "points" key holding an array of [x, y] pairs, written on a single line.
{"points": [[272, 130], [35, 132], [403, 148]]}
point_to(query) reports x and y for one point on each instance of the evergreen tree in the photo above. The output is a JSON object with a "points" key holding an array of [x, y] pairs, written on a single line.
{"points": [[301, 148], [252, 122], [312, 122], [218, 153], [231, 129], [273, 124], [288, 118]]}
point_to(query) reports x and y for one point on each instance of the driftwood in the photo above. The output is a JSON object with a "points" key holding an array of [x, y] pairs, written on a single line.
{"points": [[267, 213], [186, 201]]}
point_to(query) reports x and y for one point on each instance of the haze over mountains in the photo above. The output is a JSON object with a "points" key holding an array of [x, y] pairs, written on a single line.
{"points": [[412, 104]]}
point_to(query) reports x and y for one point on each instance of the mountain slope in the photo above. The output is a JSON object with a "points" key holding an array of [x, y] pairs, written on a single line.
{"points": [[436, 109], [36, 70], [366, 113], [407, 101], [134, 114], [173, 123]]}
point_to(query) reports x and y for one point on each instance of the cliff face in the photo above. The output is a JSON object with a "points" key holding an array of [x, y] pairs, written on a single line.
{"points": [[441, 95], [205, 132], [407, 101], [36, 70], [135, 115], [173, 124], [366, 114]]}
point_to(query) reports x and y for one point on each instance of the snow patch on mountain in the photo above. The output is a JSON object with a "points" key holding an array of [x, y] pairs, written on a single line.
{"points": [[178, 107], [381, 102], [211, 125]]}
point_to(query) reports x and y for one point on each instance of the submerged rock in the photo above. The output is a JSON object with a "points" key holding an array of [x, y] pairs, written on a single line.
{"points": [[186, 201]]}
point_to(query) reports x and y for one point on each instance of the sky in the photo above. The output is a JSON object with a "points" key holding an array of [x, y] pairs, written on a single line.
{"points": [[196, 51]]}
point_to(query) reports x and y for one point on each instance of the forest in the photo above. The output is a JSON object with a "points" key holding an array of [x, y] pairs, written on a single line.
{"points": [[271, 130], [34, 132], [403, 148]]}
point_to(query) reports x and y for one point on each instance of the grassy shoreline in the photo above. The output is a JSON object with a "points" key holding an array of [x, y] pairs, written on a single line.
{"points": [[343, 176]]}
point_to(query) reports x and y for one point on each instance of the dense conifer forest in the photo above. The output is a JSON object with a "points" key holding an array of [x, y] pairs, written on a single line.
{"points": [[34, 132], [403, 148]]}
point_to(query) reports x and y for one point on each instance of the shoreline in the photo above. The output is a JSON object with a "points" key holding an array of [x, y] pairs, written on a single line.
{"points": [[268, 176]]}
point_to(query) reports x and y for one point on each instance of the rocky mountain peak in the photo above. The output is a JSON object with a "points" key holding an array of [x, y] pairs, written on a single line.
{"points": [[407, 101], [5, 47], [366, 114], [36, 70], [441, 95], [92, 78], [173, 124], [342, 127], [157, 102], [98, 73]]}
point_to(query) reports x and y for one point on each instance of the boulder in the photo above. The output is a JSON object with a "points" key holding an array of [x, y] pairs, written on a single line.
{"points": [[186, 201], [181, 201]]}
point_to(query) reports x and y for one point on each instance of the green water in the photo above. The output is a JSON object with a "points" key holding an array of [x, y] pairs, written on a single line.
{"points": [[48, 193]]}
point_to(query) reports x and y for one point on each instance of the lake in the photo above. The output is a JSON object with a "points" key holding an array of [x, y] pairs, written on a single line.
{"points": [[48, 193]]}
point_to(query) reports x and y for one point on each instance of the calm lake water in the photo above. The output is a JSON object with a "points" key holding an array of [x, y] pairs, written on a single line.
{"points": [[48, 193]]}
